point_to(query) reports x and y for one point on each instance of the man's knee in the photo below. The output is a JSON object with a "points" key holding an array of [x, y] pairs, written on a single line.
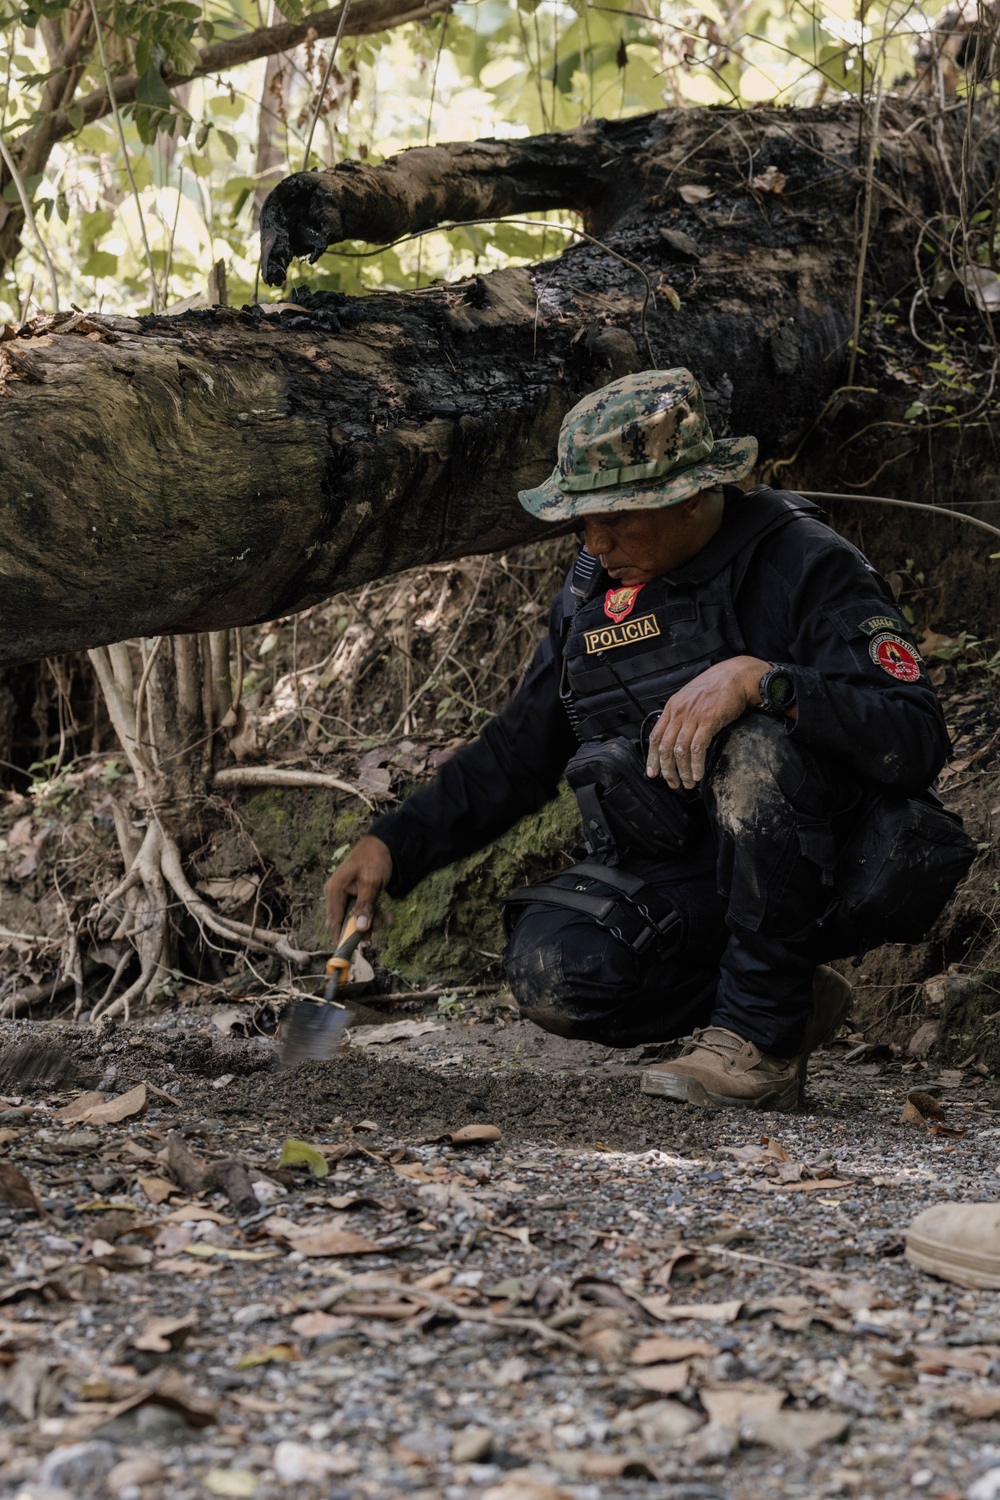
{"points": [[760, 775], [557, 969], [750, 777]]}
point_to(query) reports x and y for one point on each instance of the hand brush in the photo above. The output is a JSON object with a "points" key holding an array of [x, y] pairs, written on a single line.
{"points": [[312, 1029]]}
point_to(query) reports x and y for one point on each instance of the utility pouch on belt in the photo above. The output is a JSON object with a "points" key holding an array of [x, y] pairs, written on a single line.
{"points": [[623, 809], [623, 903], [898, 868]]}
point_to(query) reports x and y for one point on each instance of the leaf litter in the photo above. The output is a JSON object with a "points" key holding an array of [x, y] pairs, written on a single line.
{"points": [[400, 1276]]}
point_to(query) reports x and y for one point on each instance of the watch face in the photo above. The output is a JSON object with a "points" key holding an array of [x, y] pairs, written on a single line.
{"points": [[780, 689]]}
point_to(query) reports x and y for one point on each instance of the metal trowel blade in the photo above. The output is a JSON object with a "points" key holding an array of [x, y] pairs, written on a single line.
{"points": [[311, 1032]]}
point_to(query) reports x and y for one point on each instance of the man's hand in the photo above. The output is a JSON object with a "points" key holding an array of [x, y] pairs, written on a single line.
{"points": [[363, 874], [693, 717]]}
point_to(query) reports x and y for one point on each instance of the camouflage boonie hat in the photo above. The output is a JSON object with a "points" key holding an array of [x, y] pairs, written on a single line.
{"points": [[639, 443]]}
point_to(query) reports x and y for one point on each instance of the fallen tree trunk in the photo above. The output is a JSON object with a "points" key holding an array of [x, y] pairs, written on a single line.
{"points": [[190, 474]]}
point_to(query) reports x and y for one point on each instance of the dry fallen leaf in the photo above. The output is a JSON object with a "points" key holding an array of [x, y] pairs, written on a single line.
{"points": [[617, 1466], [336, 1242], [935, 1361], [706, 1312], [810, 1185], [395, 1031], [860, 1296], [161, 1335], [666, 1380], [694, 192], [515, 1487], [662, 1347], [769, 181], [678, 1256], [76, 1110], [774, 1149], [316, 1325], [742, 1401], [16, 1191], [194, 1213], [267, 1354], [979, 1405], [797, 1431], [92, 1109], [920, 1108], [468, 1134], [157, 1189]]}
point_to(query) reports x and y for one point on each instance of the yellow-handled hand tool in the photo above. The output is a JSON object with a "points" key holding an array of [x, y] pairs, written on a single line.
{"points": [[312, 1029]]}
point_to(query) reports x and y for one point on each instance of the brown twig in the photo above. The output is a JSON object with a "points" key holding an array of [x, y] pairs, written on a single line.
{"points": [[446, 1305]]}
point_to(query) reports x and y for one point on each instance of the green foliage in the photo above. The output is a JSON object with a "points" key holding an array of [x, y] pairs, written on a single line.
{"points": [[300, 1154], [490, 67]]}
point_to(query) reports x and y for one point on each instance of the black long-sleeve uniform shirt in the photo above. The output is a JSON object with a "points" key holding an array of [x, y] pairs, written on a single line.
{"points": [[808, 601]]}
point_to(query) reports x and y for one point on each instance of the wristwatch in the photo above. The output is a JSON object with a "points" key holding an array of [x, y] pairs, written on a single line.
{"points": [[777, 691]]}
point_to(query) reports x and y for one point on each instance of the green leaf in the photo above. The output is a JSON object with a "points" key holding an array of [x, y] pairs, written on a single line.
{"points": [[230, 142], [292, 10], [152, 91], [100, 263], [299, 1153]]}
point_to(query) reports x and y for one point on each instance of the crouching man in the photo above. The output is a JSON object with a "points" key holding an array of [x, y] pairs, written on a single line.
{"points": [[738, 704]]}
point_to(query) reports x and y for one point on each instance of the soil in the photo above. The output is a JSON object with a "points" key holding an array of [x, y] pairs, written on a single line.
{"points": [[485, 1344]]}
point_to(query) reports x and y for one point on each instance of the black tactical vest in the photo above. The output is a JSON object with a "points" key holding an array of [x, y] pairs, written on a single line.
{"points": [[619, 672]]}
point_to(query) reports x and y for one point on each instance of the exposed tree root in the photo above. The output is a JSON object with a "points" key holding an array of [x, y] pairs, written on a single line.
{"points": [[182, 694], [282, 776]]}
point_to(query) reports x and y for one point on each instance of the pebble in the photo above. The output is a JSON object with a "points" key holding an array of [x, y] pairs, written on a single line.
{"points": [[132, 1473], [471, 1445], [295, 1463], [986, 1487], [77, 1464]]}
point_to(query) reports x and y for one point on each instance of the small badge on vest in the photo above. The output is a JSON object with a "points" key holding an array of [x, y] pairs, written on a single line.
{"points": [[878, 623], [621, 634], [621, 602], [896, 656]]}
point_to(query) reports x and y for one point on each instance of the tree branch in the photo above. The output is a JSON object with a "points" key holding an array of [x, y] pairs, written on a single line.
{"points": [[364, 18], [428, 185]]}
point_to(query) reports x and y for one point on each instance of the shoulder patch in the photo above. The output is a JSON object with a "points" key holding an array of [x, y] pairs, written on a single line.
{"points": [[877, 623], [896, 656]]}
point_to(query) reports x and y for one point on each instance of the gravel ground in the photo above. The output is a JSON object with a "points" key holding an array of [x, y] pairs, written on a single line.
{"points": [[589, 1294]]}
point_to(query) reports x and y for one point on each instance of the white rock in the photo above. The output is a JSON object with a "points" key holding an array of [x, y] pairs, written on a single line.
{"points": [[986, 1487], [471, 1445], [132, 1473], [268, 1192], [254, 1312], [294, 1463]]}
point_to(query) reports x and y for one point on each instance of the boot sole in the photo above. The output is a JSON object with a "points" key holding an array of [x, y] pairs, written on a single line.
{"points": [[964, 1267], [690, 1091]]}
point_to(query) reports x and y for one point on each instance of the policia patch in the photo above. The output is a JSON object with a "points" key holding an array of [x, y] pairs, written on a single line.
{"points": [[624, 634], [895, 656]]}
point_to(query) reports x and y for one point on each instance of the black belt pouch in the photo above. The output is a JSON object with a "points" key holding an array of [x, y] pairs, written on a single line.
{"points": [[899, 867], [623, 809]]}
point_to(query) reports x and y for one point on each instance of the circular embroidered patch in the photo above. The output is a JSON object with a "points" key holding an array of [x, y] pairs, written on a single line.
{"points": [[895, 656]]}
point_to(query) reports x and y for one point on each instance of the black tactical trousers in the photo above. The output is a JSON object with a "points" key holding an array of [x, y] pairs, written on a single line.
{"points": [[750, 899]]}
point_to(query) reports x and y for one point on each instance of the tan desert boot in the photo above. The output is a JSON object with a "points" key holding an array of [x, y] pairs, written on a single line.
{"points": [[721, 1070], [959, 1242]]}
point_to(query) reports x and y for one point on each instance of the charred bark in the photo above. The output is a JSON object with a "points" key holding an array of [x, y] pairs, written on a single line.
{"points": [[190, 474]]}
